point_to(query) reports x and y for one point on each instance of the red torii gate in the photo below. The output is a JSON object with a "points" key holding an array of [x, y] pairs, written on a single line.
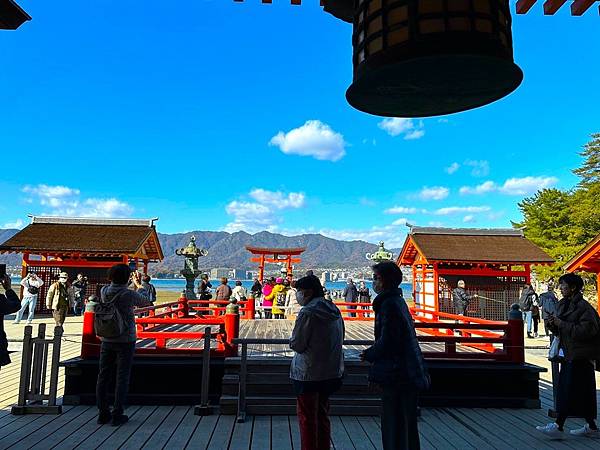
{"points": [[290, 257]]}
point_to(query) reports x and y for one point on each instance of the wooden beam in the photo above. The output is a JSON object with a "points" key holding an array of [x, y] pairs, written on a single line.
{"points": [[551, 6], [523, 6], [578, 7]]}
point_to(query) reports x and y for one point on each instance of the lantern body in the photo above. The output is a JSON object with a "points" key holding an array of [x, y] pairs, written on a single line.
{"points": [[11, 15], [420, 58]]}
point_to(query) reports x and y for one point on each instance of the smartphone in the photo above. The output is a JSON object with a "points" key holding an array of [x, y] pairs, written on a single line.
{"points": [[2, 270]]}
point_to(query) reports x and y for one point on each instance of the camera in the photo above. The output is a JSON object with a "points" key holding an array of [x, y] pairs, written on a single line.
{"points": [[2, 270]]}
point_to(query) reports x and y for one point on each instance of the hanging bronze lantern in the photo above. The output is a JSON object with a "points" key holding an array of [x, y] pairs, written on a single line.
{"points": [[11, 15], [419, 58]]}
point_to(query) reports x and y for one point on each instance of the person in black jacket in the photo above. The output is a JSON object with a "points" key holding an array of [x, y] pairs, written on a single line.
{"points": [[397, 365], [9, 303], [461, 298], [577, 326], [526, 302]]}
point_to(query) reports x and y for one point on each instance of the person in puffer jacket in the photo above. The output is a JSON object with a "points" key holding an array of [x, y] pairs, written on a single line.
{"points": [[268, 303], [276, 294], [318, 364]]}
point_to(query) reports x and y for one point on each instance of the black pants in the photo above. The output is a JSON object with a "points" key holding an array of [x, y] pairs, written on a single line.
{"points": [[116, 360], [399, 429], [268, 314], [352, 307], [279, 316]]}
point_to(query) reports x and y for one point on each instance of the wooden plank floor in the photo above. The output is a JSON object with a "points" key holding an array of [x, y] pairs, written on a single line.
{"points": [[176, 427]]}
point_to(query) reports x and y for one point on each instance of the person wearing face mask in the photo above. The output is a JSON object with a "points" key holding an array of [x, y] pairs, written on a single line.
{"points": [[57, 299], [576, 325], [318, 364], [397, 365]]}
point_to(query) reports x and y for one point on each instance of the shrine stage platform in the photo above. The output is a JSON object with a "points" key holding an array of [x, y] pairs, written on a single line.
{"points": [[176, 379]]}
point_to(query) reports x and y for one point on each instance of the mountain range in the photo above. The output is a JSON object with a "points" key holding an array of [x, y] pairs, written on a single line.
{"points": [[228, 250]]}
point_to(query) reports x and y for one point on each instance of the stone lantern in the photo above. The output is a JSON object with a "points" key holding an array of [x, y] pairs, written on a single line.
{"points": [[380, 255], [190, 271]]}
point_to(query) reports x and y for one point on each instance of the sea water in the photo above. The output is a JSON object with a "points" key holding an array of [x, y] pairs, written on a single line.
{"points": [[178, 284]]}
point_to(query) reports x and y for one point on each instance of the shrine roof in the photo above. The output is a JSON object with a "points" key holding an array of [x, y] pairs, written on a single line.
{"points": [[507, 246], [87, 236], [588, 259]]}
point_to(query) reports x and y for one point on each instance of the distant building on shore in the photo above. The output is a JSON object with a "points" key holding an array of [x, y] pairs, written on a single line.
{"points": [[220, 272], [238, 274]]}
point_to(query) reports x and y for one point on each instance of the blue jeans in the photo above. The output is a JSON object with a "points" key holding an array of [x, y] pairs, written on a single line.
{"points": [[528, 318], [30, 301]]}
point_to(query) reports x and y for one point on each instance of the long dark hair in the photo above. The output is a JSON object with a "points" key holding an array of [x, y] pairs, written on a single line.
{"points": [[311, 282]]}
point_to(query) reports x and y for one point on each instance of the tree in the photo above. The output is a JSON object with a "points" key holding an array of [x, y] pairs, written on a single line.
{"points": [[589, 172], [563, 222]]}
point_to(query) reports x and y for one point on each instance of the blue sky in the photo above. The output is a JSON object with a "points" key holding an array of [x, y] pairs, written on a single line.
{"points": [[218, 115]]}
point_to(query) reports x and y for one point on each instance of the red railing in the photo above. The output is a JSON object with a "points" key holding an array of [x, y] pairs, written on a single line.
{"points": [[156, 323], [219, 307]]}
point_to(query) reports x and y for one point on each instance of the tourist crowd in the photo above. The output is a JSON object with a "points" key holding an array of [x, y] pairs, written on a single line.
{"points": [[397, 369]]}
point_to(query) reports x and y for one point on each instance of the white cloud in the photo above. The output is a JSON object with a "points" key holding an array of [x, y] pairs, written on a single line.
{"points": [[461, 209], [434, 193], [396, 126], [314, 138], [393, 235], [479, 168], [452, 168], [527, 185], [483, 188], [278, 199], [400, 222], [469, 219], [261, 214], [66, 201], [400, 210], [512, 186], [11, 225]]}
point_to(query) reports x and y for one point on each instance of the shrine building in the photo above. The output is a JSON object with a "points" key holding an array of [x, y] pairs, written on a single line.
{"points": [[494, 263], [90, 246]]}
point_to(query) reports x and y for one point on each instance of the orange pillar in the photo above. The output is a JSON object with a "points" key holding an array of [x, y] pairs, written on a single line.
{"points": [[598, 290], [90, 344], [232, 331]]}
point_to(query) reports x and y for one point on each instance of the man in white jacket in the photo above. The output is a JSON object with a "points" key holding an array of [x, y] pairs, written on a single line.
{"points": [[31, 288]]}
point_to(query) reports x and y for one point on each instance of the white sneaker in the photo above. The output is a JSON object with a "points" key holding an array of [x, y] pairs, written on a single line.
{"points": [[551, 430], [16, 322], [29, 322], [586, 431]]}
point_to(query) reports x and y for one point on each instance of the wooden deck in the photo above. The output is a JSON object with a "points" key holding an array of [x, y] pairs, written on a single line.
{"points": [[176, 427]]}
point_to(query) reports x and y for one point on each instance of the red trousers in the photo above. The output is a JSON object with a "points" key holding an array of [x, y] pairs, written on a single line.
{"points": [[313, 418]]}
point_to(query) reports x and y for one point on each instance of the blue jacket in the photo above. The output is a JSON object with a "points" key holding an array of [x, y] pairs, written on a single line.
{"points": [[9, 303], [396, 356]]}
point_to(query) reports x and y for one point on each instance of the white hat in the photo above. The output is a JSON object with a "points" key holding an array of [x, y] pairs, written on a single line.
{"points": [[63, 275]]}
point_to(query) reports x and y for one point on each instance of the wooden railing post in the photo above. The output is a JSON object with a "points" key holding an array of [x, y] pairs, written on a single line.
{"points": [[232, 328], [32, 383], [90, 344], [185, 307], [241, 414], [250, 308], [204, 408], [516, 349]]}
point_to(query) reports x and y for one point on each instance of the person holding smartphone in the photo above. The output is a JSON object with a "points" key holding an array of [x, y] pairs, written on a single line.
{"points": [[31, 288], [9, 303]]}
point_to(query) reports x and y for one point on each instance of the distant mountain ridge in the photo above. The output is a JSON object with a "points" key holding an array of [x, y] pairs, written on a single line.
{"points": [[229, 249]]}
